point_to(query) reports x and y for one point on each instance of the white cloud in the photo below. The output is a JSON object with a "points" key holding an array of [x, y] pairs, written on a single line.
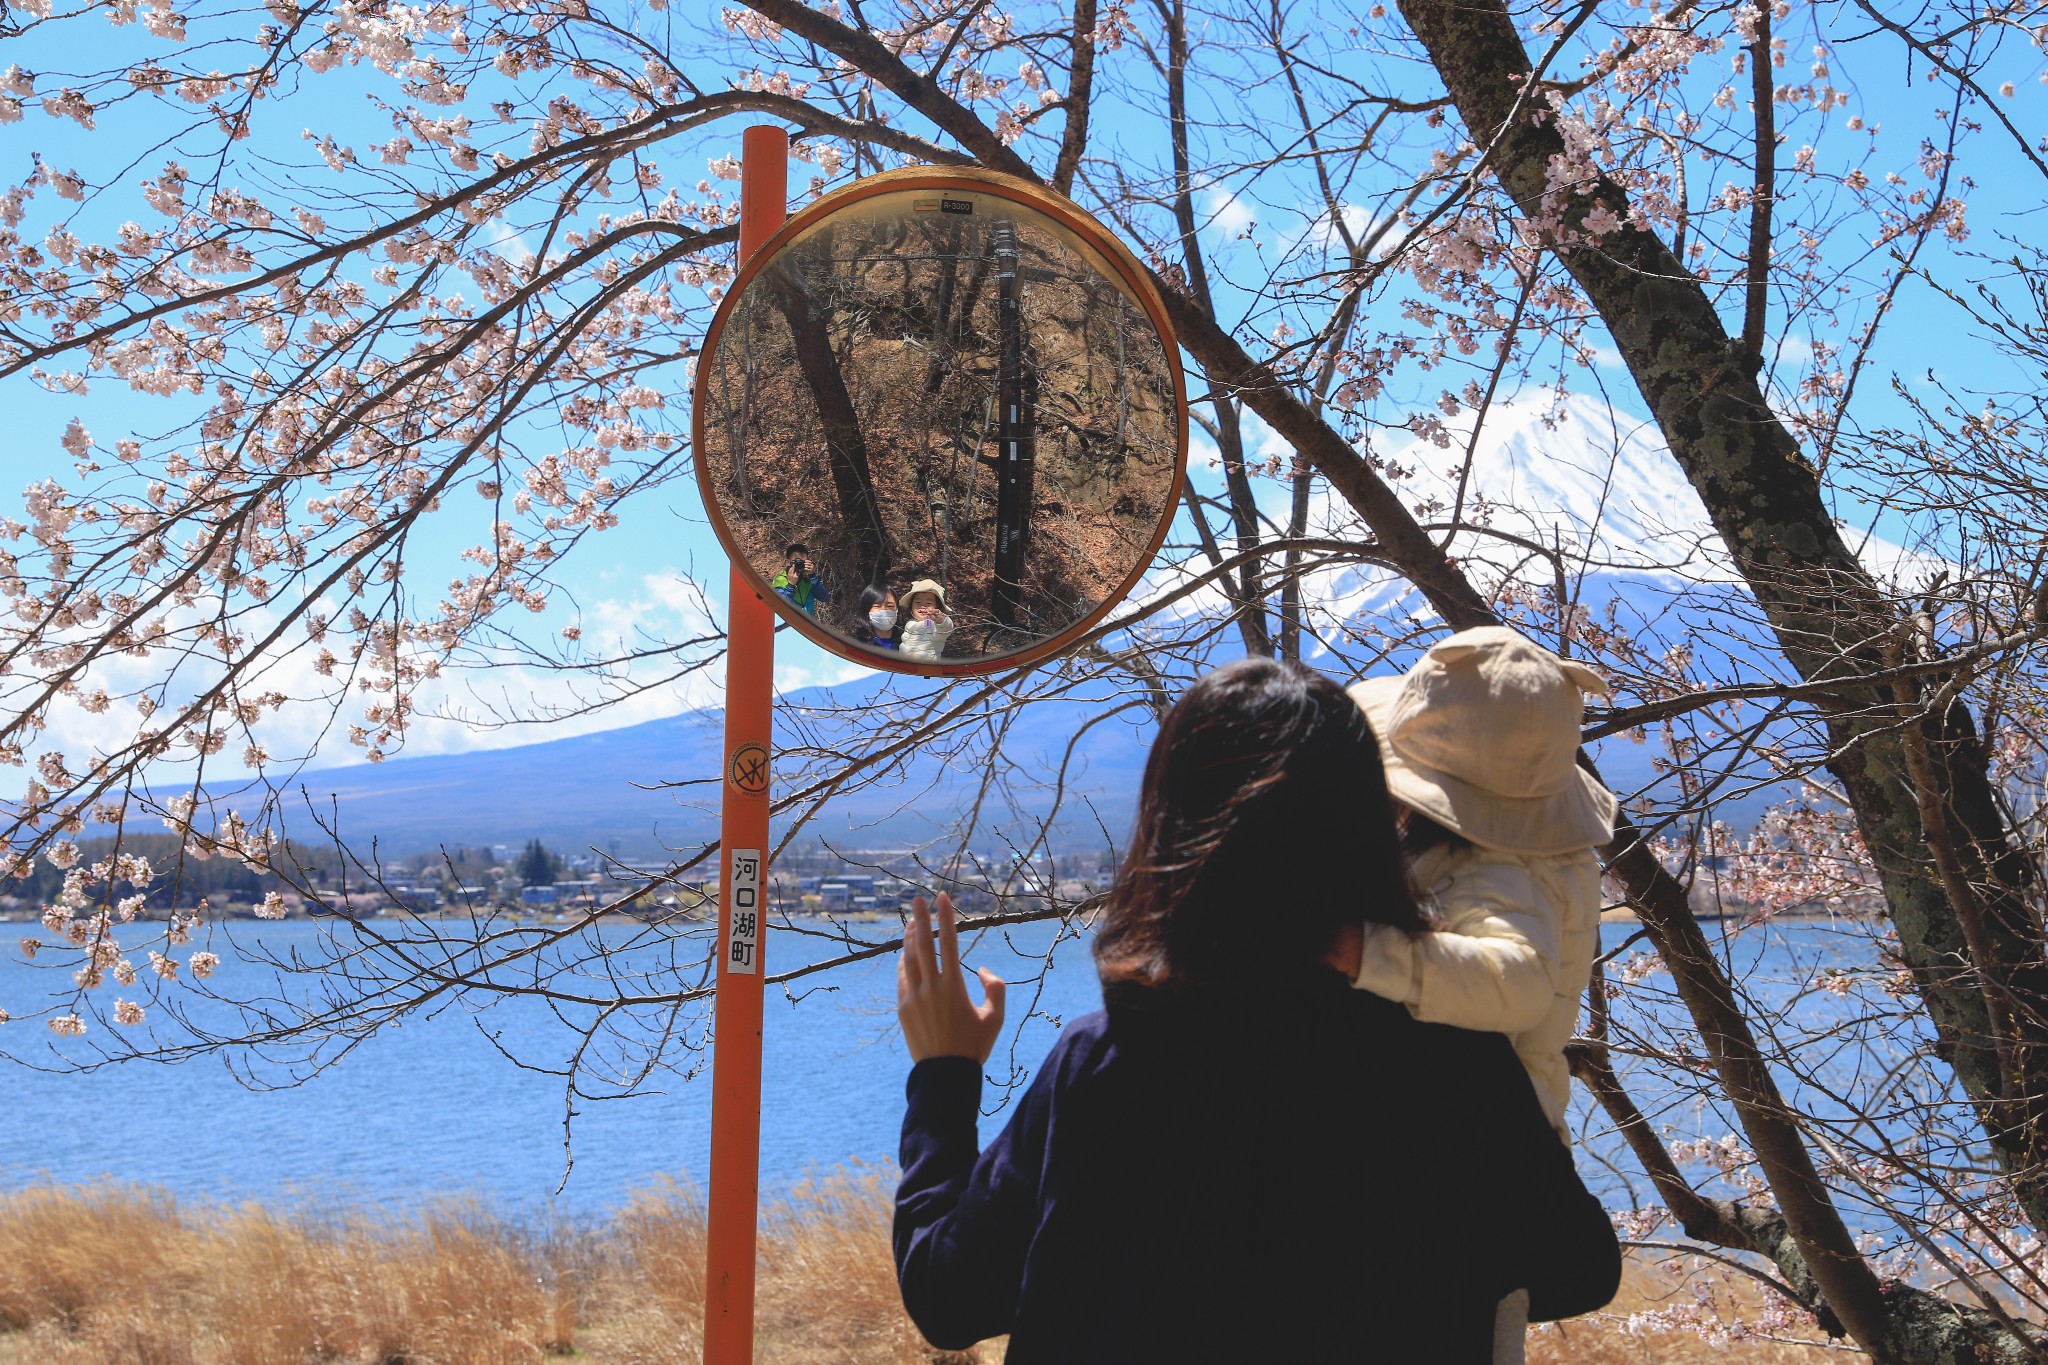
{"points": [[1794, 352], [616, 675], [800, 664], [508, 242], [1357, 222], [1226, 211]]}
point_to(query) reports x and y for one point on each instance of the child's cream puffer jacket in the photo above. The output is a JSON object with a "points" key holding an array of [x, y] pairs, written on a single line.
{"points": [[926, 639], [1518, 942]]}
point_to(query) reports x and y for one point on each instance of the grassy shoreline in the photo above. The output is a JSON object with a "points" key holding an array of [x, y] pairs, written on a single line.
{"points": [[103, 1274]]}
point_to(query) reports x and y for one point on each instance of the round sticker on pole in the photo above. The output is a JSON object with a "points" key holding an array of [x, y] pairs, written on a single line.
{"points": [[940, 422]]}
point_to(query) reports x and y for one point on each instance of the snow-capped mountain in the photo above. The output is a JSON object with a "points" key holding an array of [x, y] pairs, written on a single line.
{"points": [[1579, 496], [1594, 482]]}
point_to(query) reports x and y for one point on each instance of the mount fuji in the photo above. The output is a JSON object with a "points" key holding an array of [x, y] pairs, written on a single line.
{"points": [[1574, 502]]}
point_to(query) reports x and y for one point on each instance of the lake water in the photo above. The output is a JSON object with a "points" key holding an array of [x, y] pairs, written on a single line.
{"points": [[431, 1107]]}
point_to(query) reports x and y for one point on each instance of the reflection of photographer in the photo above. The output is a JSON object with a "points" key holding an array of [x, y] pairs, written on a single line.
{"points": [[798, 582]]}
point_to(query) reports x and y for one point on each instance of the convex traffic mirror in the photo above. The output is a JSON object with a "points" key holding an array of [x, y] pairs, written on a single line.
{"points": [[940, 422]]}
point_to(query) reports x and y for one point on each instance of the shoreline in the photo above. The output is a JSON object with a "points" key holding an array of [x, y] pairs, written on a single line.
{"points": [[1624, 915]]}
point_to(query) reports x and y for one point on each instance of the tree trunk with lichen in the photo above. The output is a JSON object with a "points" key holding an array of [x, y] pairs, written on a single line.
{"points": [[1830, 617]]}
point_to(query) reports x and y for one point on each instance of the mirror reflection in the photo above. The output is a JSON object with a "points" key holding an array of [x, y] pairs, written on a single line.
{"points": [[940, 426]]}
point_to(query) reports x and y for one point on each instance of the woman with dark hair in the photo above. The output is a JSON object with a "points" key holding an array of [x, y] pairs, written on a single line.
{"points": [[1241, 1158], [875, 619]]}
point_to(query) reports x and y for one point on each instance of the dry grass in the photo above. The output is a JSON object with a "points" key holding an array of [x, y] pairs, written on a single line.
{"points": [[105, 1275], [109, 1273], [1661, 1317]]}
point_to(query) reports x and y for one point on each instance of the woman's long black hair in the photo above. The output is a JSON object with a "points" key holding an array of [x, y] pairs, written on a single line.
{"points": [[1263, 829]]}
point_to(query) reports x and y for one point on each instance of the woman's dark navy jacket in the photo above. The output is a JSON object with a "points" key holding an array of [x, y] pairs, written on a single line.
{"points": [[1304, 1174]]}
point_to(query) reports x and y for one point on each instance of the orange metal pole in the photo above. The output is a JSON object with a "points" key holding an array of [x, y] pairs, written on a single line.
{"points": [[743, 879]]}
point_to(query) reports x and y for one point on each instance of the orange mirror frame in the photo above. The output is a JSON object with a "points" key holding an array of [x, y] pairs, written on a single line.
{"points": [[945, 192]]}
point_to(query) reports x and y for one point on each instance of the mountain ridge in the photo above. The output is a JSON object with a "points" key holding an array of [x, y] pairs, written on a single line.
{"points": [[1597, 479]]}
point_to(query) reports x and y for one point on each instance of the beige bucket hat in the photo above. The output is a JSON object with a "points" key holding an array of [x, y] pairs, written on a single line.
{"points": [[930, 585], [1482, 734]]}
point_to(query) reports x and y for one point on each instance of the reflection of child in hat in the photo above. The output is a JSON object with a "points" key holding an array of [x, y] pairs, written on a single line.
{"points": [[1480, 742], [925, 624]]}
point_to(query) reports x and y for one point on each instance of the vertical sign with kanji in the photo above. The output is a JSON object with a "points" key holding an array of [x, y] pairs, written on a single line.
{"points": [[743, 911]]}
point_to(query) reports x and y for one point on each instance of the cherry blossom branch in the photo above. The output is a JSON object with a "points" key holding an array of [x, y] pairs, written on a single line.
{"points": [[1964, 78]]}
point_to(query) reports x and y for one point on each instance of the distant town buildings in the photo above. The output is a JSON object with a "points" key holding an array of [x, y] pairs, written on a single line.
{"points": [[812, 880]]}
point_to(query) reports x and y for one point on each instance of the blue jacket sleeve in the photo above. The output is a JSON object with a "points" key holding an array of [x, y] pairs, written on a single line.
{"points": [[964, 1221]]}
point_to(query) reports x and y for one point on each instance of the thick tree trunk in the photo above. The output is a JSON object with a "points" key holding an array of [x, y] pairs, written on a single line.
{"points": [[1832, 620], [846, 449]]}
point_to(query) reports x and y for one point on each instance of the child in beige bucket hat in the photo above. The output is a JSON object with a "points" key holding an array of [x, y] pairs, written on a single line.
{"points": [[1480, 742], [925, 626]]}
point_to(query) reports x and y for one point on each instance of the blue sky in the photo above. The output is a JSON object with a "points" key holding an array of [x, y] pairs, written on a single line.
{"points": [[628, 577]]}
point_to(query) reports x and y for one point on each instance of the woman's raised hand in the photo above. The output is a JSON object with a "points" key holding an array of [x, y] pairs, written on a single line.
{"points": [[931, 995]]}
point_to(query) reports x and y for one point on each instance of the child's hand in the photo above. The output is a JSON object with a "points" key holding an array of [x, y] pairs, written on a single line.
{"points": [[931, 995]]}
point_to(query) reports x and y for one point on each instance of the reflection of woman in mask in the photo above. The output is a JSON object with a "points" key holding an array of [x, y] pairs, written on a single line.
{"points": [[875, 620]]}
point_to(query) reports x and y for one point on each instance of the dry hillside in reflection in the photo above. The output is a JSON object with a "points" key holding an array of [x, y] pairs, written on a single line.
{"points": [[852, 407]]}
